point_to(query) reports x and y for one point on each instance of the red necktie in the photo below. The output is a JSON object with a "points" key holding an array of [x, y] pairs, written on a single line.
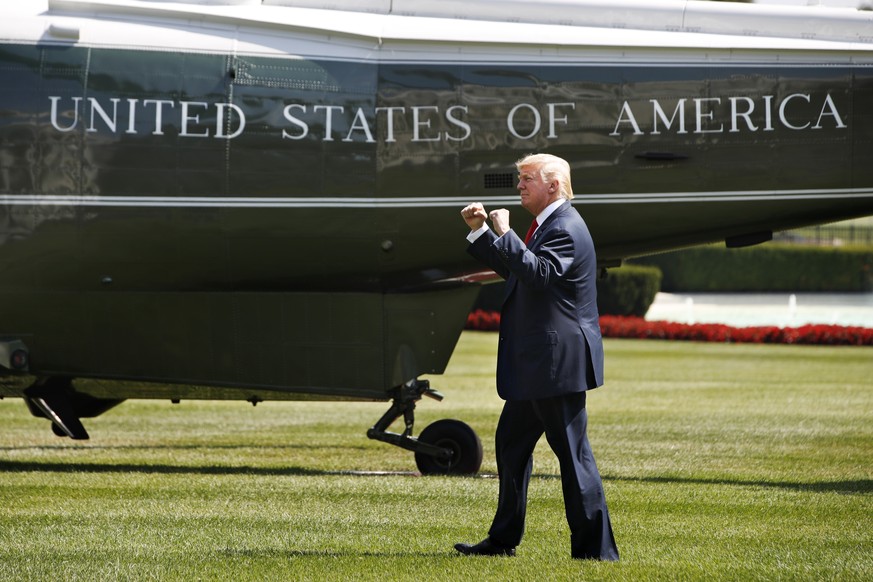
{"points": [[530, 231]]}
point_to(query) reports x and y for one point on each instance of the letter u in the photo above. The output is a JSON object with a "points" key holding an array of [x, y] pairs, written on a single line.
{"points": [[75, 122]]}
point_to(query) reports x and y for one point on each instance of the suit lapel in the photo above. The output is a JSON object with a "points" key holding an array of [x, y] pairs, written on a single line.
{"points": [[512, 281], [547, 224]]}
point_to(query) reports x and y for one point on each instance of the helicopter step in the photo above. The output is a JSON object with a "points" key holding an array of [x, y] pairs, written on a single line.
{"points": [[55, 398]]}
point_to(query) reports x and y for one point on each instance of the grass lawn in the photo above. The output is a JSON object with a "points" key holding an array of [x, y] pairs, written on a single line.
{"points": [[720, 462]]}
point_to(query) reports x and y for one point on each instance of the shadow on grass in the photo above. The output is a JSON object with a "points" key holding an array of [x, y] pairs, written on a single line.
{"points": [[272, 553], [849, 486], [38, 467], [200, 447]]}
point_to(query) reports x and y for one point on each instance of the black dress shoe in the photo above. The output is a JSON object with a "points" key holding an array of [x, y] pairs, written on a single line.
{"points": [[485, 548]]}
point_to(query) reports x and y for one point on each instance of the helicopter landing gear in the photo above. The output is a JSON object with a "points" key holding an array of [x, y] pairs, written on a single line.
{"points": [[455, 436], [446, 447]]}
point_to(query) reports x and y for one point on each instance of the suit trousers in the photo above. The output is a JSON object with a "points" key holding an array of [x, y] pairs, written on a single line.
{"points": [[564, 421]]}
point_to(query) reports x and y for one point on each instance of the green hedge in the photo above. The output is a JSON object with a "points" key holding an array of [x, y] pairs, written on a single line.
{"points": [[631, 289], [628, 290], [765, 268]]}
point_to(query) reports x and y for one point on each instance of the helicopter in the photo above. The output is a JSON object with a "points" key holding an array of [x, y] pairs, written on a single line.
{"points": [[258, 200]]}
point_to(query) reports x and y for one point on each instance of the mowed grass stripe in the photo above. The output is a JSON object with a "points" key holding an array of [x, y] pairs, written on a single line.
{"points": [[725, 462]]}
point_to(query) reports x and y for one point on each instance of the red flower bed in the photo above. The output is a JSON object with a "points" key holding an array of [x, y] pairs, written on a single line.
{"points": [[638, 328], [483, 320]]}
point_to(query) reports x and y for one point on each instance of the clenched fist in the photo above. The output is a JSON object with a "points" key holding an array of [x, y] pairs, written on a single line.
{"points": [[474, 215], [500, 221]]}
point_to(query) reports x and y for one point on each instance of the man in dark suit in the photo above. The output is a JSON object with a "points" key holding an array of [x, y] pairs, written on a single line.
{"points": [[549, 354]]}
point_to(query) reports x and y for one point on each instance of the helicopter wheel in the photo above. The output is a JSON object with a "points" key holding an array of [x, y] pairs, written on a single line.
{"points": [[459, 438]]}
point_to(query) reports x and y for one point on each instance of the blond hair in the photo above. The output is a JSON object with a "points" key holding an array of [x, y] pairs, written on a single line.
{"points": [[550, 168]]}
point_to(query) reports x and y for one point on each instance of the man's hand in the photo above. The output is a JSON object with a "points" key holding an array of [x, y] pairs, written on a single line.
{"points": [[500, 221], [474, 215]]}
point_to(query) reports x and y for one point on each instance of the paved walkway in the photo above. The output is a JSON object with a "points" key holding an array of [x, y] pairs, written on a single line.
{"points": [[780, 309]]}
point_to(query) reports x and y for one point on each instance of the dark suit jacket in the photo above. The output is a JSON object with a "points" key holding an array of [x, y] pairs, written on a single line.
{"points": [[550, 341]]}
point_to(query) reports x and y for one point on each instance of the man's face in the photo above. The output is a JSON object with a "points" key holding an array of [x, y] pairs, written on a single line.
{"points": [[536, 193]]}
